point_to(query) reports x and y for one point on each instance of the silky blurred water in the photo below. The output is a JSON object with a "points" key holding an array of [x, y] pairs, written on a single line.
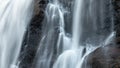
{"points": [[15, 16], [72, 30]]}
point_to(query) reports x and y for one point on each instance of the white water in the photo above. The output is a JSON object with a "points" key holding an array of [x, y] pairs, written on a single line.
{"points": [[71, 53], [77, 23], [74, 57], [57, 49], [14, 18]]}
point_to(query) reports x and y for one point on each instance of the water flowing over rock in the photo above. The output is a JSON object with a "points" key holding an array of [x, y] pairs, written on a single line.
{"points": [[59, 34], [61, 47]]}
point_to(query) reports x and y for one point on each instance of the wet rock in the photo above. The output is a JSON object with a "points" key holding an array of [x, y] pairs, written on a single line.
{"points": [[108, 56], [33, 35], [116, 4], [104, 57]]}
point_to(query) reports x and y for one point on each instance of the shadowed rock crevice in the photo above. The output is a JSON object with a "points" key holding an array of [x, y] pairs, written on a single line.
{"points": [[33, 35]]}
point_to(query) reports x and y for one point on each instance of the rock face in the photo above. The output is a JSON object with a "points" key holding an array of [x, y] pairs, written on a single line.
{"points": [[116, 4], [108, 56], [104, 57], [33, 35]]}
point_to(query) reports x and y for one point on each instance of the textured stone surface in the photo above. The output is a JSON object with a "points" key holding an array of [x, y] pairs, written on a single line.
{"points": [[104, 57], [33, 35], [116, 4], [109, 56]]}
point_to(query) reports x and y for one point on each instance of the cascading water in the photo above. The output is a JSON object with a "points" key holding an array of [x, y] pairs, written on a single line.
{"points": [[14, 18], [57, 49], [74, 57], [53, 32]]}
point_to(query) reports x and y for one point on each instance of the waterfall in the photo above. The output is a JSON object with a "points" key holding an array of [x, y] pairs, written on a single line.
{"points": [[77, 23], [53, 33], [15, 15], [61, 49], [74, 56]]}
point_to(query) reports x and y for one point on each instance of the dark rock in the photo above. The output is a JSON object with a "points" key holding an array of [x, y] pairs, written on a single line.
{"points": [[116, 4], [108, 56], [33, 35], [104, 57]]}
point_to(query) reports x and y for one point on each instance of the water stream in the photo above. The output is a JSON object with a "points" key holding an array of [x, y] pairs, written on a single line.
{"points": [[59, 50], [14, 18], [62, 45]]}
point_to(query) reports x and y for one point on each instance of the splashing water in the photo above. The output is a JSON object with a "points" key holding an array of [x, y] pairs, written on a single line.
{"points": [[74, 57], [57, 49], [14, 18]]}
